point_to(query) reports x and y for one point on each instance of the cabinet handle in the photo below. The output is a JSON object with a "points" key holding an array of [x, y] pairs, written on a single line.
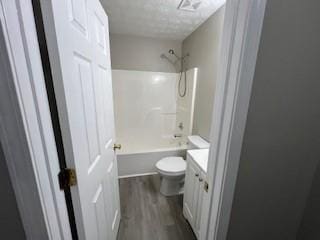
{"points": [[197, 174], [200, 179]]}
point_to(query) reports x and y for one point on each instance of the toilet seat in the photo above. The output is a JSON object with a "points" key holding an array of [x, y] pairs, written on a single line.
{"points": [[171, 166]]}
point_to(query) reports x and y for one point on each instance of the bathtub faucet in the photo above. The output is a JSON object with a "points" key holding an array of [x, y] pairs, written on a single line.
{"points": [[177, 135]]}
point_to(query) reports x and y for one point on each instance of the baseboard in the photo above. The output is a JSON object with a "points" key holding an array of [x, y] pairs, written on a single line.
{"points": [[137, 175]]}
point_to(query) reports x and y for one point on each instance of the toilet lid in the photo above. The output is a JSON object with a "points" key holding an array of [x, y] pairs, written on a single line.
{"points": [[172, 165]]}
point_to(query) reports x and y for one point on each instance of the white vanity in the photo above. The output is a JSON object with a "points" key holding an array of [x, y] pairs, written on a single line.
{"points": [[197, 161]]}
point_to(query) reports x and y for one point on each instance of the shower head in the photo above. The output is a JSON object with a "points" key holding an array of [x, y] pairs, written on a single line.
{"points": [[171, 51], [178, 58]]}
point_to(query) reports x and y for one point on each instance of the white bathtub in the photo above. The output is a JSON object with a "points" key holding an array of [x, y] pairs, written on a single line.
{"points": [[142, 162]]}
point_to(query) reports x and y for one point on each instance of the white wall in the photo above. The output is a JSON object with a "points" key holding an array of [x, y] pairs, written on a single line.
{"points": [[281, 143], [142, 53], [203, 46]]}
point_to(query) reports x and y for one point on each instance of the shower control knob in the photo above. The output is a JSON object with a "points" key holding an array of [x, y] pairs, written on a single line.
{"points": [[200, 179], [197, 174], [116, 146]]}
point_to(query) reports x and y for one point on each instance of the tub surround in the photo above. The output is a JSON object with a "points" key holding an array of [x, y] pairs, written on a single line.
{"points": [[149, 114], [145, 109], [148, 111]]}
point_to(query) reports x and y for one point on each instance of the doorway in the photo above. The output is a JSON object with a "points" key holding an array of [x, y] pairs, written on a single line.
{"points": [[67, 102]]}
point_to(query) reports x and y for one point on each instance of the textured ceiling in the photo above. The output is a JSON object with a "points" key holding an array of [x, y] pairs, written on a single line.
{"points": [[156, 18]]}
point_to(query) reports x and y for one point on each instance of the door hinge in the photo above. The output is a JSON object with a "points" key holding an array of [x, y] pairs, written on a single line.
{"points": [[67, 178], [206, 186]]}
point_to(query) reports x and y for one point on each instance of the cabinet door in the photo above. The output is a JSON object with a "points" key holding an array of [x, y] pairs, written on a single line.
{"points": [[199, 202], [191, 192]]}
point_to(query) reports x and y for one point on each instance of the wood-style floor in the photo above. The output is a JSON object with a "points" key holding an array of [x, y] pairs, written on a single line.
{"points": [[148, 215]]}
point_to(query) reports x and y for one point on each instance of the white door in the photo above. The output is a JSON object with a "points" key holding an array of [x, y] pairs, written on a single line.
{"points": [[78, 42]]}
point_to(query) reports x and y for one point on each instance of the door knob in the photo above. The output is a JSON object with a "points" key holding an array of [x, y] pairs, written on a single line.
{"points": [[116, 146]]}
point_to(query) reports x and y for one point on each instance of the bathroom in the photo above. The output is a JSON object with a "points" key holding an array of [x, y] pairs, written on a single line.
{"points": [[164, 60], [205, 126]]}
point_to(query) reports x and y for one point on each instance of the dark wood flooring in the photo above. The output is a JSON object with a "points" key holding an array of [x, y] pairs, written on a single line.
{"points": [[148, 215]]}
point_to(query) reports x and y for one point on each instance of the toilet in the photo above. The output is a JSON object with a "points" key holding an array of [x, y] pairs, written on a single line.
{"points": [[172, 169]]}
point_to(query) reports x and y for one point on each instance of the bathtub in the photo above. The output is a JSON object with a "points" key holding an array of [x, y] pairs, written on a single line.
{"points": [[138, 162], [149, 115]]}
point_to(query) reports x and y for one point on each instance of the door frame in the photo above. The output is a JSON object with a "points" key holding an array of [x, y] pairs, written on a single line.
{"points": [[26, 132], [31, 121], [242, 29]]}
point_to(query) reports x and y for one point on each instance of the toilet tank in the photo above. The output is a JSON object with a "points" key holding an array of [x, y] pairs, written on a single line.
{"points": [[197, 142]]}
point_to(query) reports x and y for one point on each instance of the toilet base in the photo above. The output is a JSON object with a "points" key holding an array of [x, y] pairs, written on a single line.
{"points": [[171, 186]]}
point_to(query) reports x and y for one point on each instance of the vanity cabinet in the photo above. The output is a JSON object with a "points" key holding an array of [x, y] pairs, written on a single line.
{"points": [[199, 202], [193, 194]]}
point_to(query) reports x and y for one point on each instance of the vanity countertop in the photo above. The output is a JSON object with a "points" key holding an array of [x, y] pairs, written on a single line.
{"points": [[200, 157]]}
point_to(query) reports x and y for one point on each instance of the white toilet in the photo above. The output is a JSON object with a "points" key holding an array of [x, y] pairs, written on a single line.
{"points": [[172, 169]]}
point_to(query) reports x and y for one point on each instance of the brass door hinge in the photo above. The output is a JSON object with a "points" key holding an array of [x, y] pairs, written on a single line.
{"points": [[206, 186], [67, 178]]}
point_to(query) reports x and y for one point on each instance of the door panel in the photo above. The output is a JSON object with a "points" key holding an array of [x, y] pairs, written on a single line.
{"points": [[78, 43], [115, 214], [85, 81], [101, 220]]}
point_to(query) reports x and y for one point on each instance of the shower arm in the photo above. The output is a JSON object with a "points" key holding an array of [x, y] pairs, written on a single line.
{"points": [[168, 59]]}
